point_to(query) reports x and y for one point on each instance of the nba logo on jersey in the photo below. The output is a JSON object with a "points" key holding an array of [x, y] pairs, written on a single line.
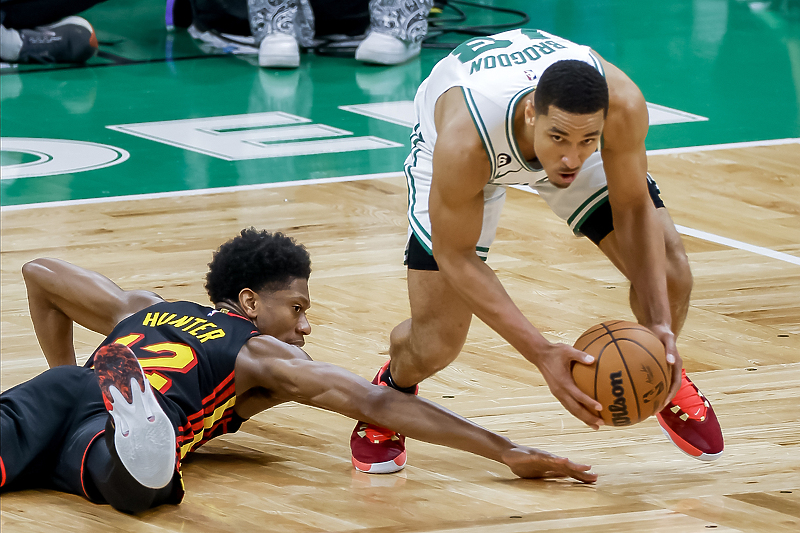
{"points": [[530, 74], [503, 159]]}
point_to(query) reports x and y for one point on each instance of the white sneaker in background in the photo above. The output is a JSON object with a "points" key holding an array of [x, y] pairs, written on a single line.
{"points": [[385, 49], [279, 50]]}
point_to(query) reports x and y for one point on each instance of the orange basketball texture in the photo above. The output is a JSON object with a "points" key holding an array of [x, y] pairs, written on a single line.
{"points": [[630, 376]]}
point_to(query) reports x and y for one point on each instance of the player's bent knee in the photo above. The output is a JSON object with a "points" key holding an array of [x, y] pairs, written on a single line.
{"points": [[435, 354]]}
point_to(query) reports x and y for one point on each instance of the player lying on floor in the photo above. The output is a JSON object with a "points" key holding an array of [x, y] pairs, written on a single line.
{"points": [[172, 375]]}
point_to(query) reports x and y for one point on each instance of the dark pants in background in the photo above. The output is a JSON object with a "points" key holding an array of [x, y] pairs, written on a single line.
{"points": [[27, 14], [347, 17]]}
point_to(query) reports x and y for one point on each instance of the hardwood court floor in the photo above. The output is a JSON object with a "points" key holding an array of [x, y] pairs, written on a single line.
{"points": [[288, 469]]}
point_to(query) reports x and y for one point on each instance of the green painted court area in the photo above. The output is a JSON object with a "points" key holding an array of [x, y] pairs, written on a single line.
{"points": [[723, 71]]}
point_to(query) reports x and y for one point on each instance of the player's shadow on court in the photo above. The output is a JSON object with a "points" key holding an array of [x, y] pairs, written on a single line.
{"points": [[228, 458], [543, 484]]}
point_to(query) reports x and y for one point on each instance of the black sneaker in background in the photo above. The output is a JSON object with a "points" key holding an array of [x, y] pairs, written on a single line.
{"points": [[70, 40]]}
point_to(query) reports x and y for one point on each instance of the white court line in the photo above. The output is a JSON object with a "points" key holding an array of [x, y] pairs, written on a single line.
{"points": [[710, 237], [729, 146], [682, 229], [199, 192], [398, 112], [739, 245]]}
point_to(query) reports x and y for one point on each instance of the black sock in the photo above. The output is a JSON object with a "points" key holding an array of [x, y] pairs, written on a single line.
{"points": [[386, 377]]}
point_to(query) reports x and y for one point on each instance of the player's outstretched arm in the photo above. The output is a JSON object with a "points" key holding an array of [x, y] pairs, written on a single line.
{"points": [[293, 377], [60, 293]]}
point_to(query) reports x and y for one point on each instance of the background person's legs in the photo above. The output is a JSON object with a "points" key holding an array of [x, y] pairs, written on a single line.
{"points": [[223, 16], [27, 14], [46, 31], [280, 27], [340, 17], [397, 28]]}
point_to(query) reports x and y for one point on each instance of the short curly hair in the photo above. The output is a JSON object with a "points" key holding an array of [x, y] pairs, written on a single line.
{"points": [[572, 86], [256, 260]]}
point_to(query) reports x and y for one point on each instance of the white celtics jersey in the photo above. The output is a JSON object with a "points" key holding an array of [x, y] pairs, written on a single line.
{"points": [[494, 73]]}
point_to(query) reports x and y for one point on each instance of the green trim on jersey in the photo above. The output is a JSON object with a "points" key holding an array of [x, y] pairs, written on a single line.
{"points": [[587, 208], [481, 128], [588, 201], [481, 251], [512, 140], [416, 226], [597, 64], [421, 242], [579, 225], [415, 137], [419, 230]]}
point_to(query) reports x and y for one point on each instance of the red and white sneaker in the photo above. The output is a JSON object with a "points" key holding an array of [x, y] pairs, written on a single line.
{"points": [[142, 436], [690, 423], [378, 450]]}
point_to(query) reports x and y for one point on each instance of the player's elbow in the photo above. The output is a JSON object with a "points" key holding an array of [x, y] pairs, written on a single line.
{"points": [[36, 271], [30, 268]]}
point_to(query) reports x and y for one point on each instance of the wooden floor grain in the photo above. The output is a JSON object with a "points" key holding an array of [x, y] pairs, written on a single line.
{"points": [[288, 469]]}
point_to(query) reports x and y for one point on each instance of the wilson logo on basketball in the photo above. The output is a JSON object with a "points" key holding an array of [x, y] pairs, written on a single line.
{"points": [[619, 409]]}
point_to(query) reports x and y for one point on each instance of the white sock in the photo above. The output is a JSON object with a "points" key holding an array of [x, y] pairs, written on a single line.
{"points": [[10, 44]]}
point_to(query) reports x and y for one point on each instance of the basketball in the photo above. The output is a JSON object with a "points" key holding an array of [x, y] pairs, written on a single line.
{"points": [[630, 376]]}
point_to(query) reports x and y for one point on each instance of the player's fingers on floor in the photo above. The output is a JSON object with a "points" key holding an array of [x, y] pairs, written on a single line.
{"points": [[578, 471], [584, 475]]}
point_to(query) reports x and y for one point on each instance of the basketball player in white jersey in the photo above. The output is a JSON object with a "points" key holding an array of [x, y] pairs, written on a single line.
{"points": [[527, 107]]}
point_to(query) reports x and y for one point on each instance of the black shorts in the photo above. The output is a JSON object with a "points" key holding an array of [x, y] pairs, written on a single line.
{"points": [[417, 257], [48, 425], [599, 224]]}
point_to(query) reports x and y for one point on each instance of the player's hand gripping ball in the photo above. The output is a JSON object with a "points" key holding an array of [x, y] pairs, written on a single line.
{"points": [[630, 376]]}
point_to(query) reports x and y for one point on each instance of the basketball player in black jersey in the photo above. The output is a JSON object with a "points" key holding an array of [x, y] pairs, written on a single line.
{"points": [[162, 382]]}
